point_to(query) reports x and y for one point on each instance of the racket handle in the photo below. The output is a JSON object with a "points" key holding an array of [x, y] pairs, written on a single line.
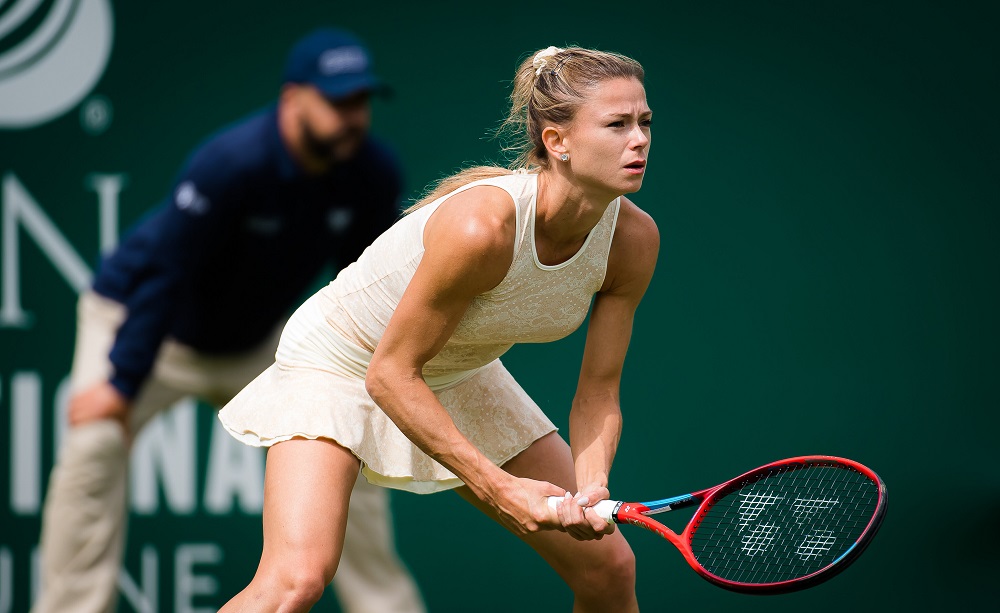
{"points": [[605, 509]]}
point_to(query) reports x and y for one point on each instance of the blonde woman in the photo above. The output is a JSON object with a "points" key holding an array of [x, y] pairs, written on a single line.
{"points": [[393, 369]]}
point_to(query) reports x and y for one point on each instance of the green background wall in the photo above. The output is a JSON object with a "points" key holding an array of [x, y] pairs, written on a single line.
{"points": [[825, 180]]}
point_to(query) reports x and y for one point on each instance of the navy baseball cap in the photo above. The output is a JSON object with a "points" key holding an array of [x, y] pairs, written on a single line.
{"points": [[335, 62]]}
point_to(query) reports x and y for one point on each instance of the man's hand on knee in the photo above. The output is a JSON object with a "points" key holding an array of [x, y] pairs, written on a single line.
{"points": [[99, 401]]}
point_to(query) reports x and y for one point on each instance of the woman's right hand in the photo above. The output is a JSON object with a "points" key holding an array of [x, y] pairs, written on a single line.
{"points": [[521, 506], [524, 509]]}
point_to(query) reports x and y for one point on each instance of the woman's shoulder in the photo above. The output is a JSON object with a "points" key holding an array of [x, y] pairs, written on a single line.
{"points": [[483, 212], [472, 234], [483, 209], [634, 248], [516, 186], [636, 223]]}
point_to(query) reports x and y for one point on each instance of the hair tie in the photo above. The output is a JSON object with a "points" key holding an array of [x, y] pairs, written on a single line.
{"points": [[542, 57]]}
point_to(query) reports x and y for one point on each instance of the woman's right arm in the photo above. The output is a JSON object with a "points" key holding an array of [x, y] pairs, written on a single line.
{"points": [[468, 250]]}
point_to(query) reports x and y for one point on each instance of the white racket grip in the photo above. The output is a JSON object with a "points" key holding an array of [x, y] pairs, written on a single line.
{"points": [[605, 509]]}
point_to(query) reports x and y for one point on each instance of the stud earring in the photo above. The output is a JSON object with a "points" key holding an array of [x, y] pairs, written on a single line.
{"points": [[564, 157]]}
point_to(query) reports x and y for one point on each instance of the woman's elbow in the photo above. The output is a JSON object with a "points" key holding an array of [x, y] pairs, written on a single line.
{"points": [[389, 379], [376, 382]]}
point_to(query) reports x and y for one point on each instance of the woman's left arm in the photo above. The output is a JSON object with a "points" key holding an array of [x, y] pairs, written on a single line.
{"points": [[595, 418]]}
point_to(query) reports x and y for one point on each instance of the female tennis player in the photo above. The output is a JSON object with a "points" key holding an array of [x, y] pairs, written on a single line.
{"points": [[394, 367]]}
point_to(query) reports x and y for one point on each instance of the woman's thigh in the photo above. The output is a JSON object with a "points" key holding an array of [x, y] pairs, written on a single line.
{"points": [[307, 489]]}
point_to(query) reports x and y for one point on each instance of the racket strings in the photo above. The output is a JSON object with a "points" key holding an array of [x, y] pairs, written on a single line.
{"points": [[785, 524]]}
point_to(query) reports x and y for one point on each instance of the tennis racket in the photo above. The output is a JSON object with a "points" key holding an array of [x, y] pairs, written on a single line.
{"points": [[785, 526]]}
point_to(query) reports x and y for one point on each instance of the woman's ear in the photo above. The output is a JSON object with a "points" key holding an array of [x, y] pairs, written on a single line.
{"points": [[554, 139]]}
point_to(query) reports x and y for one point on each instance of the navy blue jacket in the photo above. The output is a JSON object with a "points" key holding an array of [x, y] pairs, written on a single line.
{"points": [[243, 235]]}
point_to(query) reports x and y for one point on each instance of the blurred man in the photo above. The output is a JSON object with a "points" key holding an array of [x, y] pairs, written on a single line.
{"points": [[192, 302]]}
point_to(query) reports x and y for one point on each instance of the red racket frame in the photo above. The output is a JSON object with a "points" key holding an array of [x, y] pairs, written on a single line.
{"points": [[636, 513]]}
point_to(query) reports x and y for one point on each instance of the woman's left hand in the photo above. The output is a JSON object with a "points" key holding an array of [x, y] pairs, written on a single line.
{"points": [[577, 517]]}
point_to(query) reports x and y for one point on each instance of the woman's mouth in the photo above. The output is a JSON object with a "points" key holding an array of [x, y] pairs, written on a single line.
{"points": [[636, 167]]}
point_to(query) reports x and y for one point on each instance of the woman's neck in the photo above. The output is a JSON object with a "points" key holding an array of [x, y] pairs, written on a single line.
{"points": [[566, 212]]}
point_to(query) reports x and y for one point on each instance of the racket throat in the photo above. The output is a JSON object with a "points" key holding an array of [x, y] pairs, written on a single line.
{"points": [[669, 504]]}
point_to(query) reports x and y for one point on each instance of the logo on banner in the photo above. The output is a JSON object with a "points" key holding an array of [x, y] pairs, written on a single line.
{"points": [[51, 56]]}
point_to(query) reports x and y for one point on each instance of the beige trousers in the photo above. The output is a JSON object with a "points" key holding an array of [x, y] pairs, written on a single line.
{"points": [[85, 511]]}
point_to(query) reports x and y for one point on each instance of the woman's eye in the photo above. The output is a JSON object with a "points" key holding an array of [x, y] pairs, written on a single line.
{"points": [[616, 124], [646, 123]]}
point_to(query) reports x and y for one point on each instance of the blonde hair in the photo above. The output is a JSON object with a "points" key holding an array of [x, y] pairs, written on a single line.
{"points": [[548, 89]]}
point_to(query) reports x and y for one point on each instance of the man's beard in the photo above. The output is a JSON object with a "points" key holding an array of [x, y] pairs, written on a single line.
{"points": [[334, 149]]}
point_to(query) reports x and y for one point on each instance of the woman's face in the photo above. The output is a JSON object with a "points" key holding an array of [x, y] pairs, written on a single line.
{"points": [[608, 139]]}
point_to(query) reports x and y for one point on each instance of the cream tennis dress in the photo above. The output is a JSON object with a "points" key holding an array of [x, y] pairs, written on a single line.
{"points": [[316, 387]]}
